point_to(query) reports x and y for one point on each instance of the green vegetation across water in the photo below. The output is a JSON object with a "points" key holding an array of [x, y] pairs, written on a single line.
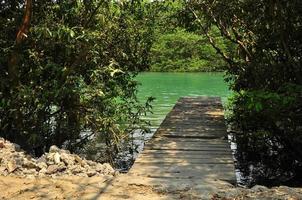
{"points": [[182, 51]]}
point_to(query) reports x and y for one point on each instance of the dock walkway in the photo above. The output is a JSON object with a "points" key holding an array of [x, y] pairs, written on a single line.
{"points": [[189, 157], [191, 143]]}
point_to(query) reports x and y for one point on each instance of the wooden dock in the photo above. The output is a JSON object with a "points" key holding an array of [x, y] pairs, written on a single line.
{"points": [[190, 144], [189, 157]]}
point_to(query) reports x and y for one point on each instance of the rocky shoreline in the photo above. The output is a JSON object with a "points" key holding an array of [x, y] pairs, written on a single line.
{"points": [[57, 162]]}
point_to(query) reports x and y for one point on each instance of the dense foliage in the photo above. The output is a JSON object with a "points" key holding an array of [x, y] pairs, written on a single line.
{"points": [[178, 45], [182, 51], [68, 74], [265, 73]]}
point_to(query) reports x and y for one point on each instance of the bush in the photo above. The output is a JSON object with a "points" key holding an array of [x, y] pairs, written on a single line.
{"points": [[269, 134]]}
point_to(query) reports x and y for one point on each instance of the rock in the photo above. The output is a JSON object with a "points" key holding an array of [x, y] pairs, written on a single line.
{"points": [[64, 151], [29, 164], [61, 167], [99, 167], [19, 160], [91, 163], [29, 171], [42, 159], [57, 158], [57, 162], [107, 169], [16, 147], [28, 157], [2, 170], [51, 169], [42, 165], [54, 149], [77, 159], [77, 169], [259, 188], [91, 173], [50, 157], [43, 171], [116, 173], [290, 191], [67, 159], [11, 166]]}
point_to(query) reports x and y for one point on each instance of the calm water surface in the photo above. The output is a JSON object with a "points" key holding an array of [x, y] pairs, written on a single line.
{"points": [[167, 88]]}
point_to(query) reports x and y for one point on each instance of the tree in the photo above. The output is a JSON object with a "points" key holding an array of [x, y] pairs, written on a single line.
{"points": [[265, 73], [68, 74]]}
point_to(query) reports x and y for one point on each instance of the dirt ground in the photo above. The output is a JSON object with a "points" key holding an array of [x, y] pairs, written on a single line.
{"points": [[123, 187], [95, 188], [75, 188]]}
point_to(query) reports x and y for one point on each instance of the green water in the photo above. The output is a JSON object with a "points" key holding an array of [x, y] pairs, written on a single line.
{"points": [[167, 88]]}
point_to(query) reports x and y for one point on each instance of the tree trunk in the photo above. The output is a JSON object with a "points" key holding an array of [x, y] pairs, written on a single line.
{"points": [[21, 36]]}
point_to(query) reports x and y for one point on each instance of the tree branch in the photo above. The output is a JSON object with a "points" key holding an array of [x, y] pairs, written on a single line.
{"points": [[211, 40], [228, 35]]}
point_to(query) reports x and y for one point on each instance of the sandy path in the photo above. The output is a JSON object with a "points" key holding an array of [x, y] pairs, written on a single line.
{"points": [[74, 188], [104, 188]]}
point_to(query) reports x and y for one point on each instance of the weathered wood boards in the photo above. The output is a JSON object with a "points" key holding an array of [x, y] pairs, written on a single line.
{"points": [[191, 143]]}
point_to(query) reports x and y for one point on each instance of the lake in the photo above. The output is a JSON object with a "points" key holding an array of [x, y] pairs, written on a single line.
{"points": [[167, 88]]}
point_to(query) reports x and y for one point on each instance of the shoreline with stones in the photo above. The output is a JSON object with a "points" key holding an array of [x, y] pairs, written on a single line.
{"points": [[57, 162]]}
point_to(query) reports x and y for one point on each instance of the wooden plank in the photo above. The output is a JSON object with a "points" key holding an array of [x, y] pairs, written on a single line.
{"points": [[181, 153], [190, 149], [201, 107], [199, 129], [205, 171], [187, 124], [197, 155], [178, 160], [201, 113], [188, 141], [198, 168], [192, 135], [182, 118], [223, 175], [190, 144], [183, 131], [161, 140], [182, 142], [193, 121]]}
